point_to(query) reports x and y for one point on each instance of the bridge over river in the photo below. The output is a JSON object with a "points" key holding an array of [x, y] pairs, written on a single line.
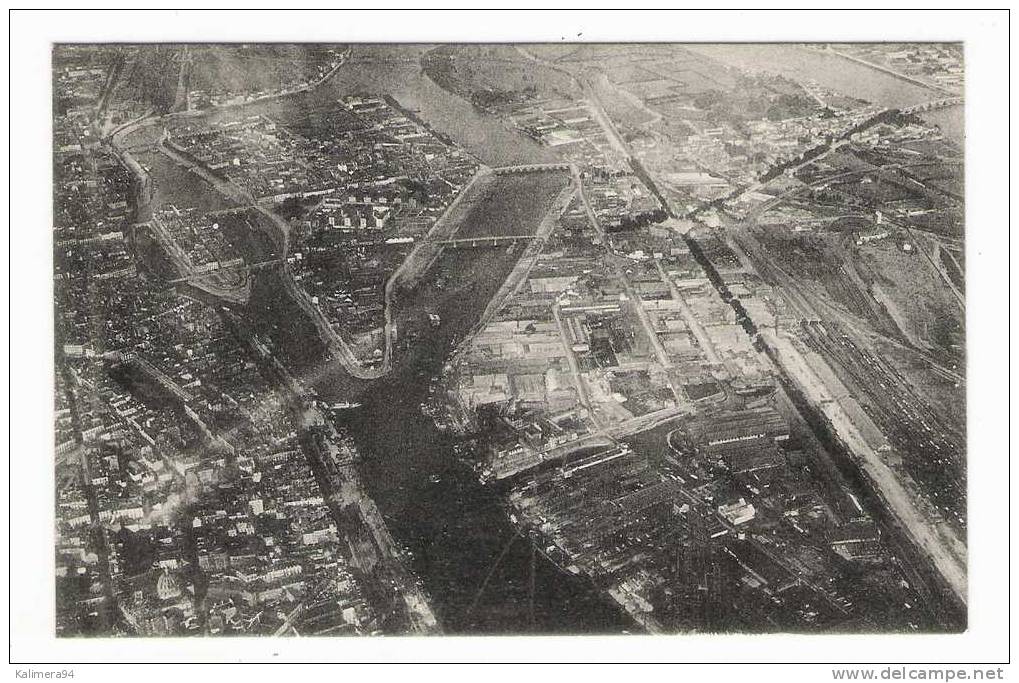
{"points": [[932, 106], [484, 241], [531, 168]]}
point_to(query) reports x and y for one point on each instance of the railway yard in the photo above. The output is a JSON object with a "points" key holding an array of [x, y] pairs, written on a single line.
{"points": [[703, 345]]}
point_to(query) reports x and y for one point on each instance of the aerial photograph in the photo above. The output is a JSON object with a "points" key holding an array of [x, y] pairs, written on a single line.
{"points": [[508, 339]]}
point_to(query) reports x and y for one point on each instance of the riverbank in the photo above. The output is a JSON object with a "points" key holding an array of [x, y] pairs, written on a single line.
{"points": [[385, 564], [420, 493], [457, 530], [892, 72]]}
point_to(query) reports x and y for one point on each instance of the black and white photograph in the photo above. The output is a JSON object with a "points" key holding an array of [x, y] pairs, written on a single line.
{"points": [[537, 337]]}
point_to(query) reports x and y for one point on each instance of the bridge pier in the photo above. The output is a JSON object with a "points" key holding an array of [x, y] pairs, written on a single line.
{"points": [[478, 242]]}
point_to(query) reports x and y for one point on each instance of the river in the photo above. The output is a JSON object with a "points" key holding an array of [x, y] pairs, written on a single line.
{"points": [[836, 73], [456, 530], [396, 70]]}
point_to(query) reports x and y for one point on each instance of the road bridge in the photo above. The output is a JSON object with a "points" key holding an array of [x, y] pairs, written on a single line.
{"points": [[232, 211], [488, 241]]}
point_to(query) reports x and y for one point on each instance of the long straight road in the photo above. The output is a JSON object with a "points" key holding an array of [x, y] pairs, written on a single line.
{"points": [[934, 539], [571, 359], [946, 551], [638, 304], [689, 317]]}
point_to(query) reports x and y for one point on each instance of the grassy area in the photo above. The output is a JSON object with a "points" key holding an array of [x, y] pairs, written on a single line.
{"points": [[920, 294], [254, 68], [491, 75]]}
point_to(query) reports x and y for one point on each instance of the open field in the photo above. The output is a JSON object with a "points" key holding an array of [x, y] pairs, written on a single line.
{"points": [[933, 315], [492, 75], [244, 68]]}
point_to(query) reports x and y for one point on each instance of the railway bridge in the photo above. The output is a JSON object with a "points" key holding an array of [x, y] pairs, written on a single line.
{"points": [[236, 264], [931, 106], [530, 168]]}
